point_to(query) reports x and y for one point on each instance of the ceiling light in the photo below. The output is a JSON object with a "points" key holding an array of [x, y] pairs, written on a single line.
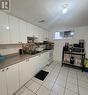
{"points": [[7, 27], [65, 9]]}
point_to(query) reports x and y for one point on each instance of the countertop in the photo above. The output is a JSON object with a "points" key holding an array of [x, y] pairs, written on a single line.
{"points": [[16, 58]]}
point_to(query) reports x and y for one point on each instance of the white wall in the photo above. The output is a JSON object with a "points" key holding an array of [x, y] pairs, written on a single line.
{"points": [[80, 33]]}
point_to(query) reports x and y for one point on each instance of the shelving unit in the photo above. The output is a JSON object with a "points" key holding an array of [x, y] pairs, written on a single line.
{"points": [[79, 59]]}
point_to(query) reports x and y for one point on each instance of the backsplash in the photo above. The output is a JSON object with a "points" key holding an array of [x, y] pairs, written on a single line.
{"points": [[9, 49]]}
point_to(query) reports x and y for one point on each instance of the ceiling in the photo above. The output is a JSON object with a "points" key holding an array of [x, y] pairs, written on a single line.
{"points": [[34, 11]]}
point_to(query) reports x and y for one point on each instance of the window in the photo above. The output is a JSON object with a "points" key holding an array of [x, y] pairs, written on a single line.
{"points": [[63, 35]]}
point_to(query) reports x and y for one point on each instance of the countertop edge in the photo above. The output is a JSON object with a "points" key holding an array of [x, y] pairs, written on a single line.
{"points": [[12, 61]]}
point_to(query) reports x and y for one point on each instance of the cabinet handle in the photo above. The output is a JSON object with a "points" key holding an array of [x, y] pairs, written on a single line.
{"points": [[7, 68], [3, 70]]}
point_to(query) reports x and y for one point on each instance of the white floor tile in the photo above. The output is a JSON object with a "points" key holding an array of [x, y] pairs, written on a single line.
{"points": [[83, 91], [72, 87], [37, 80], [71, 80], [69, 92], [63, 77], [20, 90], [83, 84], [29, 83], [34, 87], [43, 91], [60, 82], [53, 93], [27, 92], [48, 84], [58, 89]]}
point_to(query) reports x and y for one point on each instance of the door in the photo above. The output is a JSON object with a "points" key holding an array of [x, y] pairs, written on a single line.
{"points": [[3, 83], [12, 77]]}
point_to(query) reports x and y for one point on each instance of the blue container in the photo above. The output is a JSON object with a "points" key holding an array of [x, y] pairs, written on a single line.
{"points": [[2, 58]]}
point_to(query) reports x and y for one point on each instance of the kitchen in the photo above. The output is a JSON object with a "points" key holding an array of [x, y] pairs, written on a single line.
{"points": [[29, 44]]}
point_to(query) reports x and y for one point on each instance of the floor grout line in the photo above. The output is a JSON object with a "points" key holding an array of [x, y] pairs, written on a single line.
{"points": [[66, 82], [34, 81], [55, 81], [77, 82], [44, 80], [54, 69]]}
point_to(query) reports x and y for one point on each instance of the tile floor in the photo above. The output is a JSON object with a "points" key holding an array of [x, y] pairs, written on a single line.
{"points": [[60, 81]]}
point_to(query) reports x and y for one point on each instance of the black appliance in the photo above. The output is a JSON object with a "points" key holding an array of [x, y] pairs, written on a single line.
{"points": [[72, 60], [81, 43]]}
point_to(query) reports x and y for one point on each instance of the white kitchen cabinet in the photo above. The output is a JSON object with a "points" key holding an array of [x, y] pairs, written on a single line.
{"points": [[22, 30], [34, 30], [44, 59], [24, 69], [3, 83], [28, 68], [45, 35], [9, 80], [14, 30], [28, 29], [4, 29], [35, 65], [12, 76], [40, 38]]}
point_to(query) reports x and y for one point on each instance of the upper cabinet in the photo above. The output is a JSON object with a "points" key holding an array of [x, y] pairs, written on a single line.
{"points": [[28, 29], [34, 30], [37, 32], [14, 29], [40, 38], [22, 31], [45, 34], [4, 29]]}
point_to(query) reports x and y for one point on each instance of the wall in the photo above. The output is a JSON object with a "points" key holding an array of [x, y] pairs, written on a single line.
{"points": [[80, 33]]}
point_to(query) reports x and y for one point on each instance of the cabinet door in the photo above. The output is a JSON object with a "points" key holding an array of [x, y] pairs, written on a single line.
{"points": [[24, 72], [45, 35], [4, 29], [35, 66], [12, 77], [40, 35], [14, 29], [3, 84], [22, 30], [35, 31], [45, 58], [28, 29], [31, 30]]}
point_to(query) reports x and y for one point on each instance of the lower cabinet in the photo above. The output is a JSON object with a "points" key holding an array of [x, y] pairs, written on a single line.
{"points": [[9, 80], [3, 84], [28, 68], [15, 76], [12, 76], [24, 71]]}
